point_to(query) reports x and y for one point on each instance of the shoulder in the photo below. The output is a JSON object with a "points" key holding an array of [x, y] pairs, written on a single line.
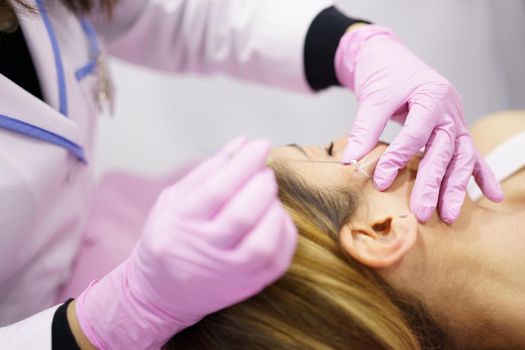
{"points": [[495, 128]]}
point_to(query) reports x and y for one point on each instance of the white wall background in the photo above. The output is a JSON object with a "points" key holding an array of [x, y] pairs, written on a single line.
{"points": [[162, 121]]}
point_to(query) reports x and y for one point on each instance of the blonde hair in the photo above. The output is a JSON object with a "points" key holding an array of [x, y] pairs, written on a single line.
{"points": [[325, 300]]}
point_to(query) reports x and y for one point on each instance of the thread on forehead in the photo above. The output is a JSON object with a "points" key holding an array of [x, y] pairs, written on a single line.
{"points": [[360, 167], [366, 164]]}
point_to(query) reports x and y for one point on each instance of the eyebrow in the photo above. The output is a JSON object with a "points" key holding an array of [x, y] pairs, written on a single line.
{"points": [[299, 148]]}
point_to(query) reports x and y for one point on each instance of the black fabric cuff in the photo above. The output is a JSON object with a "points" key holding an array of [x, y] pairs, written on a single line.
{"points": [[321, 44], [61, 336]]}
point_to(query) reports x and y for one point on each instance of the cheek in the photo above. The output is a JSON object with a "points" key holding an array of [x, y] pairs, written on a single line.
{"points": [[374, 199], [403, 184], [395, 199]]}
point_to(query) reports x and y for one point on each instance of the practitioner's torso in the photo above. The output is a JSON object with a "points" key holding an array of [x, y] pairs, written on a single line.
{"points": [[44, 187]]}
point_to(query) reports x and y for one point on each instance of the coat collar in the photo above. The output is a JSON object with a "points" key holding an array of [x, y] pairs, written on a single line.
{"points": [[22, 113]]}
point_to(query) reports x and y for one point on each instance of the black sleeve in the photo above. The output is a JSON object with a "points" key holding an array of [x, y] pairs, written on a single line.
{"points": [[61, 335], [321, 44]]}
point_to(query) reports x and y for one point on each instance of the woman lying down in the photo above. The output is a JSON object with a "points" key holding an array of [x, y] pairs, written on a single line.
{"points": [[366, 274]]}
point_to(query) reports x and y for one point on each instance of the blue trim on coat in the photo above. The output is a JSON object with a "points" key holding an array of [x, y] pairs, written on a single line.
{"points": [[62, 92], [91, 34], [94, 46], [86, 70], [42, 134]]}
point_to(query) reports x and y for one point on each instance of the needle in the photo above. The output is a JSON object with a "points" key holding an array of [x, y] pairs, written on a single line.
{"points": [[354, 163], [270, 160], [315, 161]]}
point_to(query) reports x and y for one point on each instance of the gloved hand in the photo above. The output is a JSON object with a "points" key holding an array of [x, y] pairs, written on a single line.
{"points": [[390, 82], [213, 239]]}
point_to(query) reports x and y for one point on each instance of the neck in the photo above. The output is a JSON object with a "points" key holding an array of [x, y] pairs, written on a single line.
{"points": [[470, 276], [474, 278]]}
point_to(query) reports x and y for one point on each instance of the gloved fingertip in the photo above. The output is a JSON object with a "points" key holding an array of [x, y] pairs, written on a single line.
{"points": [[258, 149], [232, 146], [450, 204], [498, 195], [351, 152], [264, 144], [423, 214], [356, 149], [383, 179], [450, 216], [380, 185]]}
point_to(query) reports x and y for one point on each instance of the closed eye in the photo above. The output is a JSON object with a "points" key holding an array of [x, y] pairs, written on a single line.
{"points": [[330, 149]]}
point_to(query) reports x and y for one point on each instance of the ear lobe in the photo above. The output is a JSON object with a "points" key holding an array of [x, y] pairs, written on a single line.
{"points": [[381, 243]]}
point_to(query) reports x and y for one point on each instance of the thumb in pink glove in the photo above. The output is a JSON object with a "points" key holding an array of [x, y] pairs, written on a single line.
{"points": [[212, 240], [390, 82]]}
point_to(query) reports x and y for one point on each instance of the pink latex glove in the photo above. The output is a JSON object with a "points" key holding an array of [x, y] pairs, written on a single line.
{"points": [[213, 239], [390, 82]]}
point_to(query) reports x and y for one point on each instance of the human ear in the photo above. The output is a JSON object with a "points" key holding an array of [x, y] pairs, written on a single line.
{"points": [[381, 242]]}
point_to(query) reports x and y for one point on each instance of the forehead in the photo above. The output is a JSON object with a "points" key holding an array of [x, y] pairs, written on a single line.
{"points": [[320, 175]]}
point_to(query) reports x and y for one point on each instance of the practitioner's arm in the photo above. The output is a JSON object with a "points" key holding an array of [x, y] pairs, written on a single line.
{"points": [[263, 41]]}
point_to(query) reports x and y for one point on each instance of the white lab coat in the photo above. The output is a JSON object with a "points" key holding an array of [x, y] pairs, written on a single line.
{"points": [[46, 148]]}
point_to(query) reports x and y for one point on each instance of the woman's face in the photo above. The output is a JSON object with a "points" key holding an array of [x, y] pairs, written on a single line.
{"points": [[328, 176]]}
